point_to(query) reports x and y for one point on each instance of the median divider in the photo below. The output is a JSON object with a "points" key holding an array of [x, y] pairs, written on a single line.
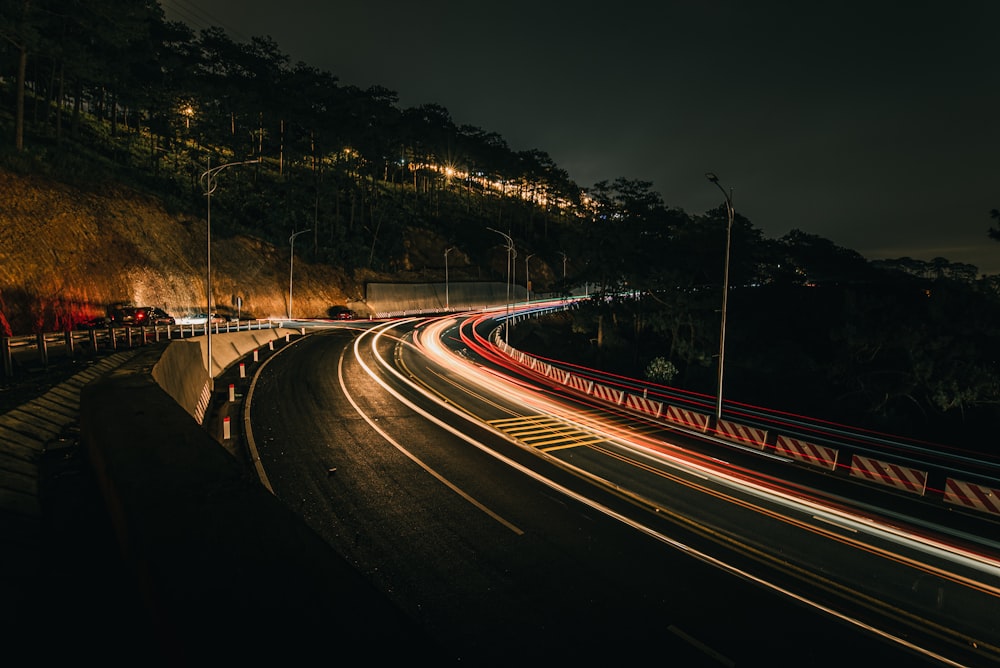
{"points": [[814, 454], [182, 369], [741, 433], [972, 495], [905, 478]]}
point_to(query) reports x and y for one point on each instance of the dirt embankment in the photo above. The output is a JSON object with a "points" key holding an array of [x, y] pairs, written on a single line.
{"points": [[67, 254]]}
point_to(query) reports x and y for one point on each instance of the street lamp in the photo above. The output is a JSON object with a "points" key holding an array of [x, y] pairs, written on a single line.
{"points": [[208, 178], [291, 257], [527, 280], [725, 287], [447, 301], [511, 254]]}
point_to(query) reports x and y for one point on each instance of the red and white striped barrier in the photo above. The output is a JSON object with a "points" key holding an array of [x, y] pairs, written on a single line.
{"points": [[687, 418], [804, 451], [971, 495], [741, 433], [885, 473], [579, 384], [608, 394], [643, 405]]}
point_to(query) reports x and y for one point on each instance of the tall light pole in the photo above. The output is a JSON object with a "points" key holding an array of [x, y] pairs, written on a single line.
{"points": [[511, 254], [291, 257], [447, 300], [208, 178], [725, 286], [527, 280]]}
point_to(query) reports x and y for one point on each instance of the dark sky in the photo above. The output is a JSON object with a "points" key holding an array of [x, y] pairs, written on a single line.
{"points": [[872, 124]]}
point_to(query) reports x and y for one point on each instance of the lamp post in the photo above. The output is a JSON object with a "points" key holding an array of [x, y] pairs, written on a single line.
{"points": [[510, 261], [564, 263], [208, 178], [527, 280], [447, 300], [725, 287], [291, 257]]}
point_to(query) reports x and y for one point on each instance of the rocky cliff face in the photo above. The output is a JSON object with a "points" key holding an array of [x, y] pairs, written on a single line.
{"points": [[67, 254]]}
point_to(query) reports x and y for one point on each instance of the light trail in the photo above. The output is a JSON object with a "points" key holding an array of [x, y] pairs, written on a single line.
{"points": [[428, 341]]}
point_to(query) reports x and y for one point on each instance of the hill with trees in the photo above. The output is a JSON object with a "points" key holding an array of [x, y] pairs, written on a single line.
{"points": [[115, 119]]}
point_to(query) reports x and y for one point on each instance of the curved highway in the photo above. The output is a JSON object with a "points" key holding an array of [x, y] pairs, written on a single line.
{"points": [[516, 524]]}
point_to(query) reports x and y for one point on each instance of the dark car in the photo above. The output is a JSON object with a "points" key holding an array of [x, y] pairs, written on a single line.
{"points": [[342, 313], [160, 317], [140, 316]]}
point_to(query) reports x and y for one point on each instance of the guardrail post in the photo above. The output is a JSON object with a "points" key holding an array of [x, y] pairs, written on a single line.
{"points": [[93, 341], [69, 343], [112, 339], [8, 362]]}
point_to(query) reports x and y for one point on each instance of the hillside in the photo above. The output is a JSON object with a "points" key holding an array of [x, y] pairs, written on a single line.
{"points": [[66, 254]]}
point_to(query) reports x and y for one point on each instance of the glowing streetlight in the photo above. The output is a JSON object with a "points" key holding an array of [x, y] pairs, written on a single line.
{"points": [[725, 286], [511, 254], [291, 257], [208, 178]]}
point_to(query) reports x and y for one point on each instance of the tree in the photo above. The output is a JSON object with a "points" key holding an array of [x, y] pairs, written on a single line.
{"points": [[20, 26]]}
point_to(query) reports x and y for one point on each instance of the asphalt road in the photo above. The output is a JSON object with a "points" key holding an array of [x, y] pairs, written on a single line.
{"points": [[497, 566]]}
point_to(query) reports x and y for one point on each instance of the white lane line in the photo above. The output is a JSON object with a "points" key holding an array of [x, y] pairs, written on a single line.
{"points": [[414, 458], [726, 661]]}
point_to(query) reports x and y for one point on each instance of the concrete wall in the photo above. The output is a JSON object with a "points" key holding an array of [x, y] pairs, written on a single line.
{"points": [[395, 299]]}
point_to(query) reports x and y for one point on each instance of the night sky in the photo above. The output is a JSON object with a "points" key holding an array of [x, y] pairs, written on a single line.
{"points": [[872, 124]]}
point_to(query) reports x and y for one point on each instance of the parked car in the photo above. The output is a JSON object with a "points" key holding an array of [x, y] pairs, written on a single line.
{"points": [[200, 319], [341, 313], [140, 316]]}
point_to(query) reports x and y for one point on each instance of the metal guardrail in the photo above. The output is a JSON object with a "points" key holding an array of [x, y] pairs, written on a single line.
{"points": [[21, 351]]}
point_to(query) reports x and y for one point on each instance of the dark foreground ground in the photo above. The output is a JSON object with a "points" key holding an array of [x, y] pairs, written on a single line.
{"points": [[233, 576], [79, 587]]}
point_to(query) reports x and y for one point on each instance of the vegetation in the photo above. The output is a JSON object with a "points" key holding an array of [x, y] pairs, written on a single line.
{"points": [[108, 90]]}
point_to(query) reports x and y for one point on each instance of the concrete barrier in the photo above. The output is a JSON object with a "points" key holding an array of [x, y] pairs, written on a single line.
{"points": [[972, 495], [815, 454], [182, 370], [741, 433], [901, 477]]}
